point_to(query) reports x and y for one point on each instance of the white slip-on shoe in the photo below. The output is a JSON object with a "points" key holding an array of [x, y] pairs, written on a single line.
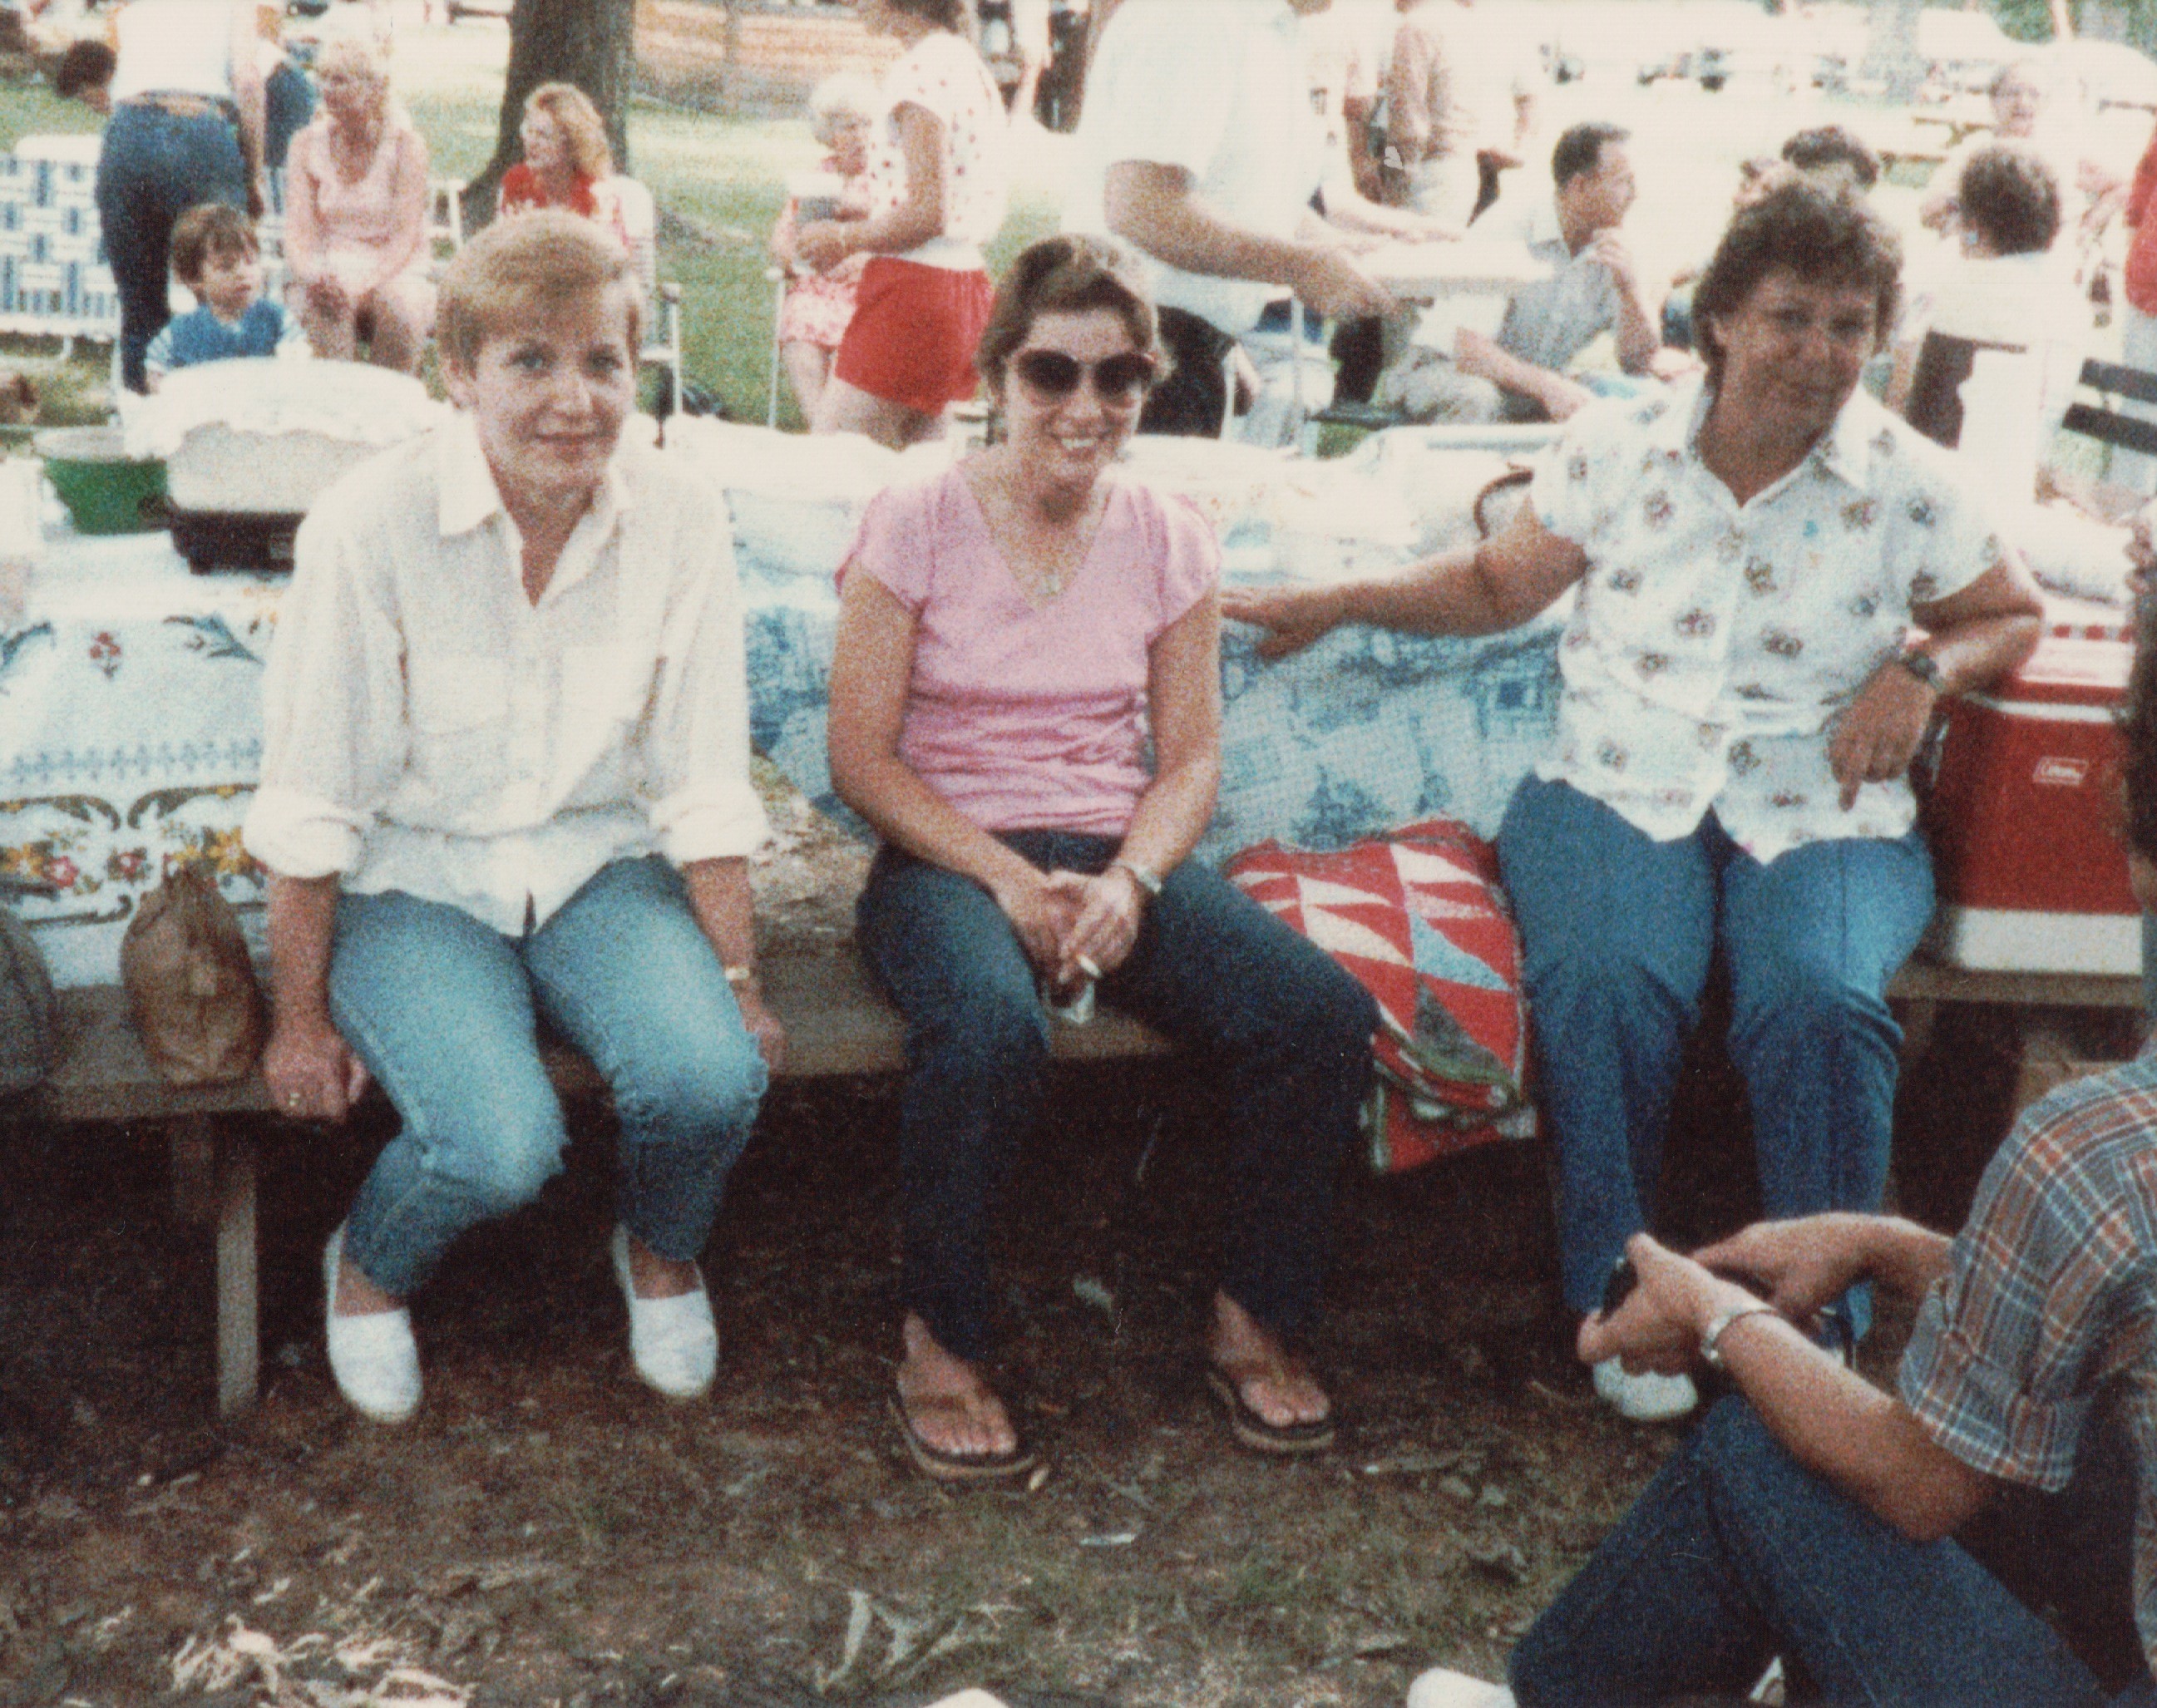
{"points": [[1443, 1688], [674, 1343], [373, 1357], [1647, 1398]]}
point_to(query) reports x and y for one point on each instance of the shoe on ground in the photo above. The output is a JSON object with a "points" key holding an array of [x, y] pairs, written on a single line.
{"points": [[1442, 1688], [674, 1343], [373, 1357], [1646, 1398]]}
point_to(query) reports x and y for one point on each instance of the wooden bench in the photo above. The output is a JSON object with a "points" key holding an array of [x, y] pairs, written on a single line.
{"points": [[836, 1024]]}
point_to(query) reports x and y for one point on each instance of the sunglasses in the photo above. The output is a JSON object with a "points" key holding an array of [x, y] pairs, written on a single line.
{"points": [[1117, 379]]}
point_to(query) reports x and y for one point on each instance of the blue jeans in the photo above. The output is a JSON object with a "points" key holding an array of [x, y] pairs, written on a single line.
{"points": [[444, 1011], [1736, 1552], [1616, 933], [1283, 1033], [151, 169]]}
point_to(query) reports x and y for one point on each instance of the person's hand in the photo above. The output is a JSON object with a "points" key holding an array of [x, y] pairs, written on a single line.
{"points": [[1104, 923], [1563, 399], [820, 244], [1333, 287], [326, 295], [312, 1072], [1878, 733], [1616, 255], [761, 1024], [1292, 617], [1801, 1266], [1659, 1326], [1040, 913], [1669, 362]]}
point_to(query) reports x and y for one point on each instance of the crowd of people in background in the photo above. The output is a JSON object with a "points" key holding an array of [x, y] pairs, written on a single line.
{"points": [[505, 769]]}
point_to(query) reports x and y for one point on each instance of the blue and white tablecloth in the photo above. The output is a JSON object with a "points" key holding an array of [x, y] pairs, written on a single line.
{"points": [[131, 729]]}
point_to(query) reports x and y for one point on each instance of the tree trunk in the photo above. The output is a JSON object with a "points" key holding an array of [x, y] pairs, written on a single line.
{"points": [[589, 42]]}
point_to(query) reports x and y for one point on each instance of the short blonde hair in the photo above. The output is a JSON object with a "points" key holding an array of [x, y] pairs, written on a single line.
{"points": [[526, 265], [358, 56], [572, 109], [844, 94]]}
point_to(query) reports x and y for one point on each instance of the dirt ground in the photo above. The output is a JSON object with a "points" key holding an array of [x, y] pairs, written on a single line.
{"points": [[546, 1532]]}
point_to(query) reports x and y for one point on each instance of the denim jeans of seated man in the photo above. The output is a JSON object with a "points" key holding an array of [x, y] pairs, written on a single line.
{"points": [[151, 167], [444, 1011], [1736, 1553]]}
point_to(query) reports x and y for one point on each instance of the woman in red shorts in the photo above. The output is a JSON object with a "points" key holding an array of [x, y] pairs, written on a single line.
{"points": [[924, 297]]}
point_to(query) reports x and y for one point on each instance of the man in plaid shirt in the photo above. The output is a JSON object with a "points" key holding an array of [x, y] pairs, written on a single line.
{"points": [[1988, 1533]]}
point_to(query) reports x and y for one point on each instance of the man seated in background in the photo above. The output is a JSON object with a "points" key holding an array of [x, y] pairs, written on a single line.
{"points": [[1903, 1546], [1455, 372]]}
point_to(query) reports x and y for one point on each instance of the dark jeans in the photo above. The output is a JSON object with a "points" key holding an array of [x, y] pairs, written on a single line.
{"points": [[152, 168], [1736, 1552], [1283, 1032], [1193, 400]]}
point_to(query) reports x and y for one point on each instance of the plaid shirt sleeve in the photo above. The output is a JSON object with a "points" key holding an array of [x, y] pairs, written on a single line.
{"points": [[2012, 1344]]}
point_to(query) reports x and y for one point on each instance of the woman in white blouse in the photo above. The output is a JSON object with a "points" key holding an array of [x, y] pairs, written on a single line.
{"points": [[1775, 583], [506, 777]]}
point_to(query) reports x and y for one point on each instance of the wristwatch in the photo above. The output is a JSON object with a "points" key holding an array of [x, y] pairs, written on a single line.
{"points": [[1144, 876], [1925, 667], [1710, 1343]]}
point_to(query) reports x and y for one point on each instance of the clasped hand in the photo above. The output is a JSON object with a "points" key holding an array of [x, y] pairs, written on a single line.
{"points": [[1073, 927]]}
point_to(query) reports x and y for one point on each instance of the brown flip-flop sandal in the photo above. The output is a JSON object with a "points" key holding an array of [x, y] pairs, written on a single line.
{"points": [[1254, 1432], [947, 1466]]}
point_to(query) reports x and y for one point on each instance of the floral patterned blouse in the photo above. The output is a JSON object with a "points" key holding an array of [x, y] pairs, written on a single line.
{"points": [[1712, 644]]}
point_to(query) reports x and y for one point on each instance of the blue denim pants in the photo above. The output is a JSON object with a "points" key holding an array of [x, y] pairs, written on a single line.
{"points": [[445, 1010], [1283, 1032], [151, 169], [1736, 1552], [1617, 935]]}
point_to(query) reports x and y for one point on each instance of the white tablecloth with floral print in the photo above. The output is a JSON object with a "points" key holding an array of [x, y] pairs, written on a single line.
{"points": [[131, 725]]}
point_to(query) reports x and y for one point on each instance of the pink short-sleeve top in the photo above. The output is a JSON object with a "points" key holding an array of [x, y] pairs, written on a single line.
{"points": [[1028, 716]]}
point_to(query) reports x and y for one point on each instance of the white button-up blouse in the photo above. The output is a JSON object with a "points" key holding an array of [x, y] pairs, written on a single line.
{"points": [[430, 729], [1711, 644]]}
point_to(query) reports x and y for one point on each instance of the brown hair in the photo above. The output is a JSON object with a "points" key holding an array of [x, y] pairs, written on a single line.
{"points": [[1800, 229], [1065, 275], [2009, 196], [572, 109], [944, 14], [210, 230], [527, 265]]}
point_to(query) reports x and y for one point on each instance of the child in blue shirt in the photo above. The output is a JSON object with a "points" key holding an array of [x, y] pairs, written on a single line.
{"points": [[215, 253]]}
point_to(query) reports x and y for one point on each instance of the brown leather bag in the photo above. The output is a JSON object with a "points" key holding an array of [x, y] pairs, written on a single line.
{"points": [[190, 984]]}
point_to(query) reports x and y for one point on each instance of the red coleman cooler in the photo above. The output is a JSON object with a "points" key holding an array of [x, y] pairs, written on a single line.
{"points": [[2025, 816]]}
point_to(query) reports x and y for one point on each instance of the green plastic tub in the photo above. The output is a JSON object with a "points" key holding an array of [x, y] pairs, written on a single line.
{"points": [[105, 491]]}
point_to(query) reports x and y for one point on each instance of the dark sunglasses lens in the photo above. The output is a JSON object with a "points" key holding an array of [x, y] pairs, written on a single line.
{"points": [[1122, 376], [1049, 372]]}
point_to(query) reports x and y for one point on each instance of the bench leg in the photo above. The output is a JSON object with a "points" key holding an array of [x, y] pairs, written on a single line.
{"points": [[239, 1329], [194, 1172]]}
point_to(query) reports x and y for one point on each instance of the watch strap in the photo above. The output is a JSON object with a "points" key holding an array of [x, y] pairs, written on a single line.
{"points": [[1925, 667], [1710, 1343]]}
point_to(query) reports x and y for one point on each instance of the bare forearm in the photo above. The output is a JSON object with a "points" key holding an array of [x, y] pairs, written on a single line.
{"points": [[302, 927], [1900, 1256], [905, 227], [1172, 815], [1181, 231], [1451, 595], [1975, 654], [719, 897], [1637, 336], [907, 814], [1473, 353]]}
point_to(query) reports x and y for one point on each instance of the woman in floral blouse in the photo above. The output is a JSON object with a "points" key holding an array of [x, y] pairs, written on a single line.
{"points": [[1775, 585]]}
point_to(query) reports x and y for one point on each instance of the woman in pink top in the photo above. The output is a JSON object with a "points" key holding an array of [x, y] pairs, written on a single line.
{"points": [[356, 216], [1013, 636]]}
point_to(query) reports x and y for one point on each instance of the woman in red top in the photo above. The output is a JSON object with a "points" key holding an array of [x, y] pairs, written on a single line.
{"points": [[568, 165]]}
